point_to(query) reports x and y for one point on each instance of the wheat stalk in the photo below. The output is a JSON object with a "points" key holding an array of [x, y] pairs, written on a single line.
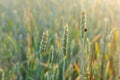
{"points": [[1, 74], [43, 44], [64, 51], [83, 30], [51, 58]]}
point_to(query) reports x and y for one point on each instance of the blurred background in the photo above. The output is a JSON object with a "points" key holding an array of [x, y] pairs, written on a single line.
{"points": [[22, 23], [51, 13]]}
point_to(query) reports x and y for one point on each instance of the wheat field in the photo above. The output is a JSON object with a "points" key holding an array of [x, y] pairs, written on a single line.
{"points": [[59, 39]]}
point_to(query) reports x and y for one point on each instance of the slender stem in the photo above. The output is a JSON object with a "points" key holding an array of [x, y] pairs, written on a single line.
{"points": [[63, 76], [83, 60]]}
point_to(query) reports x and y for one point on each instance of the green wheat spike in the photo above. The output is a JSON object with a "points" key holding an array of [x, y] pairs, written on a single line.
{"points": [[44, 41]]}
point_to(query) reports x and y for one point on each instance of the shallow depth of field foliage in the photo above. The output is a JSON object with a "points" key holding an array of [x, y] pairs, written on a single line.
{"points": [[59, 39]]}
